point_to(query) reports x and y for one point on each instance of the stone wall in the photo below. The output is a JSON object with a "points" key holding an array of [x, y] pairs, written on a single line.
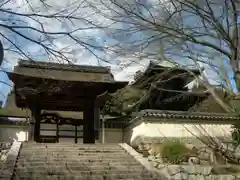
{"points": [[200, 164], [191, 171], [195, 172], [4, 148]]}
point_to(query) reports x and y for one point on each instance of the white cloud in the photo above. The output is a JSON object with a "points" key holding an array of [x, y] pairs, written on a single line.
{"points": [[129, 67]]}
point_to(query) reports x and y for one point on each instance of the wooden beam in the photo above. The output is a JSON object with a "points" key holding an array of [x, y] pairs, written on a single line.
{"points": [[88, 127], [57, 132], [96, 120], [55, 102], [36, 116], [76, 134]]}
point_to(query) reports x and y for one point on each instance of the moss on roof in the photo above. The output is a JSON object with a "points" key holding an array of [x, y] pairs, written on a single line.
{"points": [[123, 100], [13, 112], [210, 104], [140, 94], [68, 72], [64, 67], [63, 75]]}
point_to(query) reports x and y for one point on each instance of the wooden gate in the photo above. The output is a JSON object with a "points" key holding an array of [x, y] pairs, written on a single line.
{"points": [[53, 127]]}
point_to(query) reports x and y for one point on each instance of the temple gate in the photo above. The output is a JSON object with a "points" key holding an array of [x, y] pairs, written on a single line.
{"points": [[42, 86]]}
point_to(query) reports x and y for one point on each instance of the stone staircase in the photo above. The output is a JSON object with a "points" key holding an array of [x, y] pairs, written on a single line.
{"points": [[78, 161]]}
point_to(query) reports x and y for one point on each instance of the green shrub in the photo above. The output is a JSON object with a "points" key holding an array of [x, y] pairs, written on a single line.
{"points": [[174, 152], [236, 136]]}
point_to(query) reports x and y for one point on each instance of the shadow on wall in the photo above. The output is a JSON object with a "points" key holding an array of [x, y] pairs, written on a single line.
{"points": [[13, 134]]}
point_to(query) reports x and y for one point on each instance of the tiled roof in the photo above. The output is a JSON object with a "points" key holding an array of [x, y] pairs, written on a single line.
{"points": [[210, 105], [65, 67], [13, 121], [166, 65], [187, 115]]}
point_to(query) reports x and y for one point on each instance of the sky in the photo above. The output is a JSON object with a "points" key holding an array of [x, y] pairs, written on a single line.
{"points": [[77, 53]]}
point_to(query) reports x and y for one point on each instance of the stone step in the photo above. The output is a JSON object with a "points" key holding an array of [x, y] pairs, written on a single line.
{"points": [[120, 153], [87, 173], [106, 163], [72, 143], [86, 166], [75, 156], [62, 168], [86, 161], [74, 147], [71, 150], [90, 161], [82, 166], [71, 146], [105, 146], [23, 152], [95, 177], [80, 169], [76, 171]]}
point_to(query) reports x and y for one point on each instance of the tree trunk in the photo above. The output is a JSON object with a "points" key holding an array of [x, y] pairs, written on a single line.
{"points": [[1, 53], [237, 79]]}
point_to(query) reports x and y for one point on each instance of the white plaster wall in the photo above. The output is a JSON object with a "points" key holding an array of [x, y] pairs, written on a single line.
{"points": [[181, 130], [112, 135], [127, 134], [61, 127], [11, 134]]}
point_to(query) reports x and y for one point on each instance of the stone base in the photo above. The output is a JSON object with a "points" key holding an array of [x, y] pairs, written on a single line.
{"points": [[193, 172]]}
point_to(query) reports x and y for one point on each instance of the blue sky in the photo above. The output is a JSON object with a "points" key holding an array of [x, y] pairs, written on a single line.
{"points": [[80, 55]]}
